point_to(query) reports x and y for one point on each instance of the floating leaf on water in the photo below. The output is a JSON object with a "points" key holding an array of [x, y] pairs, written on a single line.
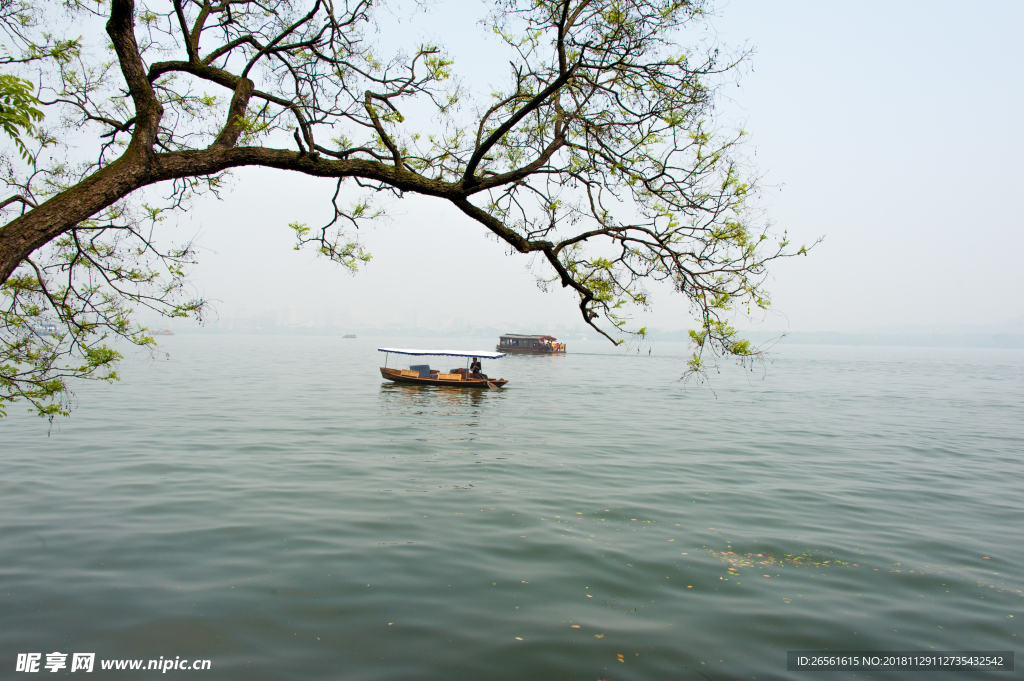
{"points": [[518, 638], [598, 635], [575, 626]]}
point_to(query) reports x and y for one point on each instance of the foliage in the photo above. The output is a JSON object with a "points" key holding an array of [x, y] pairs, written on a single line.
{"points": [[18, 112], [61, 312], [599, 154]]}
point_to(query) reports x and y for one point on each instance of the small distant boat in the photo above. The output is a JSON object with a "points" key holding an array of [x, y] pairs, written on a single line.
{"points": [[422, 374], [162, 332], [519, 343], [45, 329], [349, 335]]}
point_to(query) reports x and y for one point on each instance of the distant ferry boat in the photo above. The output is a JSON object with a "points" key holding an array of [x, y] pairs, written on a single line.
{"points": [[349, 335], [530, 345], [162, 332]]}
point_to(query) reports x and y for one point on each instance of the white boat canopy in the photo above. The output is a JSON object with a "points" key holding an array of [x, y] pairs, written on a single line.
{"points": [[481, 354]]}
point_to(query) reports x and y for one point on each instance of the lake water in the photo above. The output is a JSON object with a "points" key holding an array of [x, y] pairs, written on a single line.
{"points": [[270, 504]]}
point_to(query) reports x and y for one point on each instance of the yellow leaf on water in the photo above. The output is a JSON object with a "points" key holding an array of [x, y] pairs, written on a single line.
{"points": [[598, 635], [575, 626]]}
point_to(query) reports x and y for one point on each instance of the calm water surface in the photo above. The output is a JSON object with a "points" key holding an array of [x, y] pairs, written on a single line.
{"points": [[270, 504]]}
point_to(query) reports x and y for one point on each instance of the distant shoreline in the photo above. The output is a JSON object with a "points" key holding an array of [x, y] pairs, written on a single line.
{"points": [[923, 340]]}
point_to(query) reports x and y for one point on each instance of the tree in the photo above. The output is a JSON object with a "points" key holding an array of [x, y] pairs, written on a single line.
{"points": [[600, 155]]}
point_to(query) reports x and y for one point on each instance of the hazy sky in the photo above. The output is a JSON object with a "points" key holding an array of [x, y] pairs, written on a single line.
{"points": [[892, 129]]}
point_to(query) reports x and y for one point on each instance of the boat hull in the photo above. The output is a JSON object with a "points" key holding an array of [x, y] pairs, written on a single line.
{"points": [[392, 375], [512, 350]]}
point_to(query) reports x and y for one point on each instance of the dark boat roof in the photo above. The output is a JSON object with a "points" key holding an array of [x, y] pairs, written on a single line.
{"points": [[528, 336]]}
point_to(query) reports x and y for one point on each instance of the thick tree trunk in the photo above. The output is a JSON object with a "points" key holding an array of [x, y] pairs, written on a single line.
{"points": [[20, 237], [137, 169], [106, 186], [140, 166]]}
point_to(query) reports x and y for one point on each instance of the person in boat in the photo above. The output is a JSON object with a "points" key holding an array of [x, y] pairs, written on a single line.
{"points": [[476, 369]]}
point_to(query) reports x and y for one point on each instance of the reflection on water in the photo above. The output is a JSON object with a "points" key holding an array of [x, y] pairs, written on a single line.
{"points": [[439, 396], [439, 408], [589, 521]]}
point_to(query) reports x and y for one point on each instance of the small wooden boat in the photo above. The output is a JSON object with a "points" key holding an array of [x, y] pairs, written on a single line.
{"points": [[424, 375], [408, 376]]}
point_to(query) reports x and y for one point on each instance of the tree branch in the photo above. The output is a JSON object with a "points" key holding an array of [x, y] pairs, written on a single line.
{"points": [[468, 178], [186, 36], [148, 110], [229, 134], [25, 201]]}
